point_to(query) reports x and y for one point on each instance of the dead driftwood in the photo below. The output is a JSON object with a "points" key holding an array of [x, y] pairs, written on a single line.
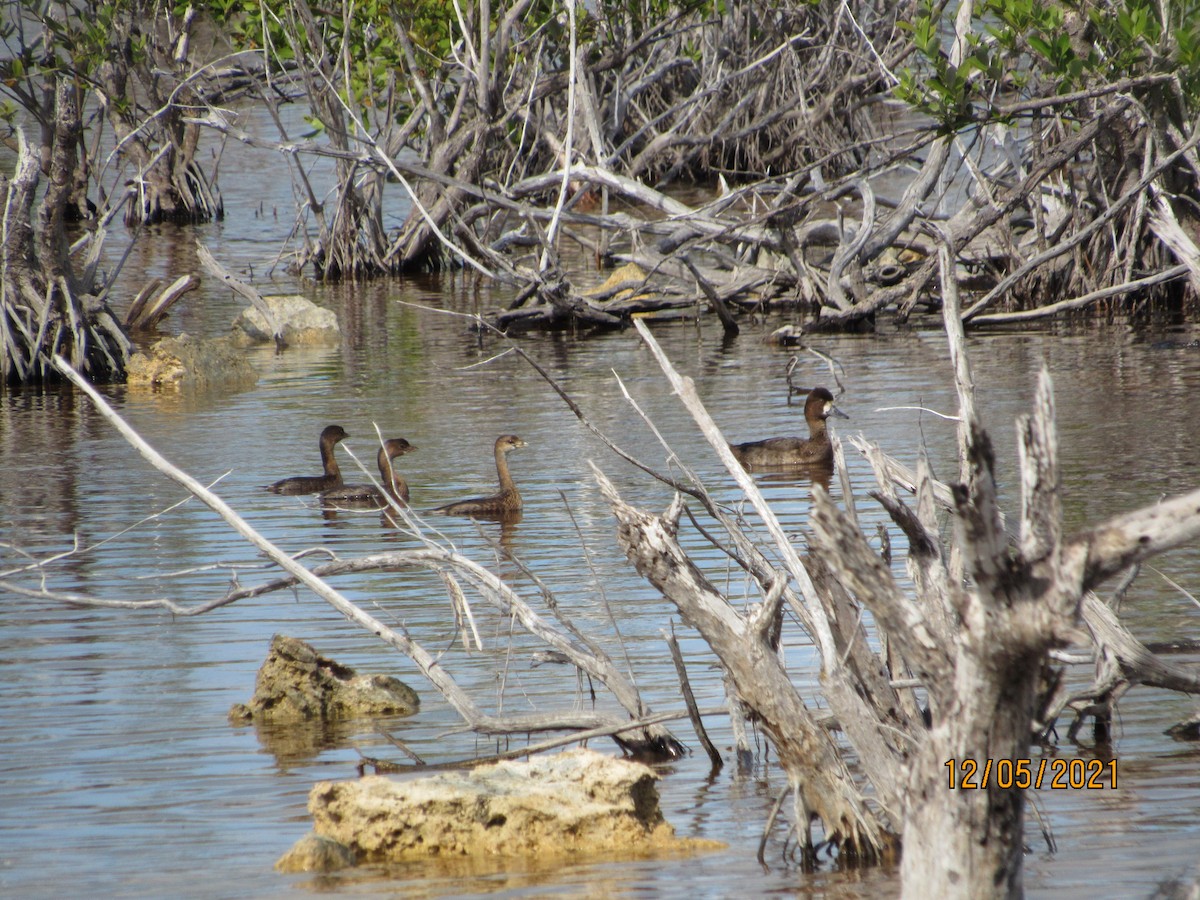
{"points": [[214, 268], [976, 642], [154, 301], [748, 649], [728, 256]]}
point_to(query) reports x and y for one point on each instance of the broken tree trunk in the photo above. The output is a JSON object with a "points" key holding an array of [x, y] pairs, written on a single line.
{"points": [[1018, 603], [747, 647], [976, 642]]}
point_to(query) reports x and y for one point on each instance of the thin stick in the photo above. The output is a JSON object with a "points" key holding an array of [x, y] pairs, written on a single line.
{"points": [[690, 700], [572, 87], [399, 745], [814, 616], [599, 582], [770, 823], [578, 736]]}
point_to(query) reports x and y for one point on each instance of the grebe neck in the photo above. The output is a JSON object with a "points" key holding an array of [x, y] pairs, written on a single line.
{"points": [[506, 482]]}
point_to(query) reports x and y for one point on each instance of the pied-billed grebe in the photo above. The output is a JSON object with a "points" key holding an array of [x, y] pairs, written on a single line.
{"points": [[815, 450], [506, 502], [310, 484], [367, 494]]}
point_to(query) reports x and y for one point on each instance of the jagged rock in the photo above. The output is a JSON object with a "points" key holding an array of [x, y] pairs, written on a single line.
{"points": [[187, 361], [1187, 730], [574, 802], [314, 853], [785, 336], [296, 683], [620, 284], [302, 322]]}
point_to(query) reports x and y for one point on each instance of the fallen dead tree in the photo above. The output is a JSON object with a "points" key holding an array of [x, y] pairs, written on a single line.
{"points": [[977, 638]]}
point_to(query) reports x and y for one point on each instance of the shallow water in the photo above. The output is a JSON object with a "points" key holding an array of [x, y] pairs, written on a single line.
{"points": [[119, 771]]}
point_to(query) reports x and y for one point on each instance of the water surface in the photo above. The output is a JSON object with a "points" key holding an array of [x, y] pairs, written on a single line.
{"points": [[120, 773]]}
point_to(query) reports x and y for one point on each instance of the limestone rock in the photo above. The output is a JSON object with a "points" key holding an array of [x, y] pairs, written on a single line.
{"points": [[785, 336], [303, 323], [188, 361], [1187, 730], [573, 802], [620, 284], [296, 684], [314, 853]]}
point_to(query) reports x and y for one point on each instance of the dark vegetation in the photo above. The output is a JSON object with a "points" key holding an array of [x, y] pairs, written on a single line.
{"points": [[1053, 145]]}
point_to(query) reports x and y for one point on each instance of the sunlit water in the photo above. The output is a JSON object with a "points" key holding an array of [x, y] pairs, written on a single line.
{"points": [[119, 772]]}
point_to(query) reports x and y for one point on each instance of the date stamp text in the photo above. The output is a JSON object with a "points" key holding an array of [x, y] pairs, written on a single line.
{"points": [[1056, 774]]}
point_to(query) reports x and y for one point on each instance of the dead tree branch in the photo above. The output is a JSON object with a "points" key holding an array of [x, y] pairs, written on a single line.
{"points": [[653, 739]]}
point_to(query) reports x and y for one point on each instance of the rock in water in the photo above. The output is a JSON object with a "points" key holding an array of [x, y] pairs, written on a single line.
{"points": [[574, 802], [298, 684]]}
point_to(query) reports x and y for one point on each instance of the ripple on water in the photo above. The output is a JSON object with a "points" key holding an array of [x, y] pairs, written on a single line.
{"points": [[121, 774]]}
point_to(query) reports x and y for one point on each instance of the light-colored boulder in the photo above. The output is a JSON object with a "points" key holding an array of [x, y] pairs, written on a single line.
{"points": [[191, 362], [302, 322], [620, 284], [297, 684], [314, 853], [785, 336], [575, 802]]}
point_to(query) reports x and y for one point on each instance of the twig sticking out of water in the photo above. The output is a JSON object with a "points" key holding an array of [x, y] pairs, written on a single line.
{"points": [[689, 698]]}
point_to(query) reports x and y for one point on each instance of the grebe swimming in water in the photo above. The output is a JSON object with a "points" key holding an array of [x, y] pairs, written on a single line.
{"points": [[815, 450], [507, 501], [368, 494], [310, 484]]}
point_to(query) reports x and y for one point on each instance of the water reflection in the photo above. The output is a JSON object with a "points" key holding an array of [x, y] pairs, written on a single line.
{"points": [[585, 875], [798, 474], [38, 483], [296, 744]]}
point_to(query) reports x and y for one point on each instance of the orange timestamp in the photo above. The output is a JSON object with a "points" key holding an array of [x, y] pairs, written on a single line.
{"points": [[1056, 774]]}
